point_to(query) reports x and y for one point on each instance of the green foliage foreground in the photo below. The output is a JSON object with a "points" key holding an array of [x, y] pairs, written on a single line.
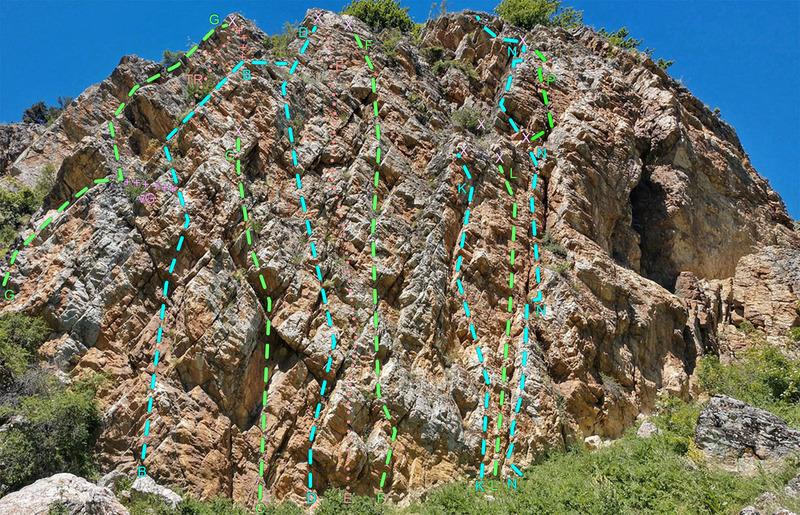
{"points": [[664, 474], [764, 376], [51, 426]]}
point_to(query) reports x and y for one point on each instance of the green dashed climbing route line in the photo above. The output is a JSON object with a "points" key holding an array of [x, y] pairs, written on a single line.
{"points": [[268, 330], [375, 316], [112, 132], [514, 208], [510, 447]]}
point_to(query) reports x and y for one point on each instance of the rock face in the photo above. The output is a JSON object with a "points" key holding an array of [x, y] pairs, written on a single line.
{"points": [[731, 431], [14, 139], [73, 493], [663, 239]]}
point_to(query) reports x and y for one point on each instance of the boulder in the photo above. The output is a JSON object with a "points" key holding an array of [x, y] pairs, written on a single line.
{"points": [[593, 442], [732, 432], [793, 487], [77, 495], [145, 486], [647, 429]]}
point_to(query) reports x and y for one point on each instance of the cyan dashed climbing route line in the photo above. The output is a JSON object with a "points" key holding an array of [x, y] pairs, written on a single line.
{"points": [[524, 361], [309, 233], [372, 244], [165, 292], [304, 207], [112, 132], [481, 358]]}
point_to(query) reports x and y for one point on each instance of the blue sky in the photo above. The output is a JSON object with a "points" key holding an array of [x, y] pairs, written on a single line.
{"points": [[740, 56]]}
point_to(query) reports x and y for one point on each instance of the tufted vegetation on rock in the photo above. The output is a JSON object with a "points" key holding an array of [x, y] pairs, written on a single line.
{"points": [[462, 66], [380, 14], [622, 39], [467, 118], [529, 13]]}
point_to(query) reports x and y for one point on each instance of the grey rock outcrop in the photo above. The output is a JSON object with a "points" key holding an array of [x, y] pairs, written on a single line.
{"points": [[733, 432], [145, 486], [647, 429], [14, 139], [75, 494]]}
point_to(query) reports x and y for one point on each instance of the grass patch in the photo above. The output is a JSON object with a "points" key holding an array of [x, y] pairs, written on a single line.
{"points": [[632, 476], [763, 376]]}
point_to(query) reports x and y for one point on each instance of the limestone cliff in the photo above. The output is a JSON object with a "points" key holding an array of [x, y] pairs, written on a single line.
{"points": [[664, 239]]}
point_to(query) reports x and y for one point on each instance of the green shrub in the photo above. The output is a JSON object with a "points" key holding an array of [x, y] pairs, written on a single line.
{"points": [[16, 209], [618, 38], [279, 43], [562, 267], [415, 30], [20, 337], [463, 66], [46, 181], [170, 58], [380, 14], [200, 89], [794, 334], [664, 64], [132, 191], [389, 45], [549, 243], [529, 13], [467, 118], [56, 432]]}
